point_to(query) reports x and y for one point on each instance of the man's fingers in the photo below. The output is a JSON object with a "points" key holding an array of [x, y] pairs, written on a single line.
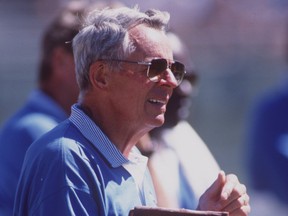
{"points": [[215, 189], [231, 182], [238, 203], [208, 201], [226, 194], [243, 211]]}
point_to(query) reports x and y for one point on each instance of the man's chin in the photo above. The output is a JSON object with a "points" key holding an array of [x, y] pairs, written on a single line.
{"points": [[159, 121]]}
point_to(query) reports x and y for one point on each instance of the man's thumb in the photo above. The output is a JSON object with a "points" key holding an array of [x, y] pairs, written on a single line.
{"points": [[215, 189]]}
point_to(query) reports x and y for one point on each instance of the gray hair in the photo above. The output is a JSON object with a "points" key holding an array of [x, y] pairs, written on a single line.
{"points": [[105, 36]]}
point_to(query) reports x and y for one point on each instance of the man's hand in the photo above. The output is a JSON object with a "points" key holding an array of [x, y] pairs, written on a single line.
{"points": [[226, 194]]}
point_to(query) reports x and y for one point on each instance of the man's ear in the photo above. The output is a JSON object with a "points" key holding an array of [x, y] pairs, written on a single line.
{"points": [[98, 74]]}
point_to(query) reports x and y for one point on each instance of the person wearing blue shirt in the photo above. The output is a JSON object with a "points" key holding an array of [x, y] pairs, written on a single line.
{"points": [[88, 164], [76, 170], [47, 106], [267, 145]]}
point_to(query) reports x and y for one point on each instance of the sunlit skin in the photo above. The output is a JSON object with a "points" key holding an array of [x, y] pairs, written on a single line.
{"points": [[226, 194], [125, 104]]}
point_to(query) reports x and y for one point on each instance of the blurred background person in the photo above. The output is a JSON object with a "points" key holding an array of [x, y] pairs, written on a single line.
{"points": [[267, 146], [50, 102], [46, 106], [181, 165]]}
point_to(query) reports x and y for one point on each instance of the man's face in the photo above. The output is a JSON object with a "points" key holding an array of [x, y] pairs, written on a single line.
{"points": [[135, 98]]}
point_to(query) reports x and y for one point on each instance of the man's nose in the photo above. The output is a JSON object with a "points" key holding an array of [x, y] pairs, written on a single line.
{"points": [[169, 78]]}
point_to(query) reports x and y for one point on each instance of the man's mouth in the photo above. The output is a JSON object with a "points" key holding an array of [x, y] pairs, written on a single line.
{"points": [[155, 101]]}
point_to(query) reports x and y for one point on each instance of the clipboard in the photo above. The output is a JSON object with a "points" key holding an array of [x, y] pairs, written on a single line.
{"points": [[157, 211]]}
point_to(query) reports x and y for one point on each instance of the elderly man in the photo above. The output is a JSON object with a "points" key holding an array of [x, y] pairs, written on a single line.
{"points": [[88, 165]]}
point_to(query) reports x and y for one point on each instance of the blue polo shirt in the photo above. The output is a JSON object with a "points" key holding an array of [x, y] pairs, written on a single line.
{"points": [[76, 170]]}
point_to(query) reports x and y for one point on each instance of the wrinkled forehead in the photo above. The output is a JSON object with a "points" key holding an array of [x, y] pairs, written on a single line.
{"points": [[151, 42]]}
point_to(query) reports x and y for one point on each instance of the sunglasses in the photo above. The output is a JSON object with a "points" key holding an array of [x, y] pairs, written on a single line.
{"points": [[157, 67]]}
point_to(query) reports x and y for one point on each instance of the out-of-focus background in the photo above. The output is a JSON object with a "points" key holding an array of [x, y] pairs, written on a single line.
{"points": [[238, 48]]}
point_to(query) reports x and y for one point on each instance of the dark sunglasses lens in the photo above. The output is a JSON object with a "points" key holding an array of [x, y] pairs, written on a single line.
{"points": [[157, 67], [178, 70]]}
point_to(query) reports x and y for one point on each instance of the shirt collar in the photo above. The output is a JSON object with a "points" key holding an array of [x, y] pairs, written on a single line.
{"points": [[94, 134], [137, 166]]}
